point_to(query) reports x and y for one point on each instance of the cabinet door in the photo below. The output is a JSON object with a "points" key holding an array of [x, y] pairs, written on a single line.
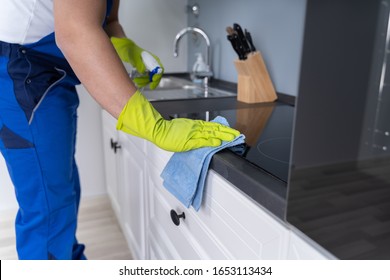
{"points": [[132, 193], [165, 239], [110, 138]]}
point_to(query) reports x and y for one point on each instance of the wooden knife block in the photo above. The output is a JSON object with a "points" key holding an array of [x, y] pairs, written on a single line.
{"points": [[254, 82]]}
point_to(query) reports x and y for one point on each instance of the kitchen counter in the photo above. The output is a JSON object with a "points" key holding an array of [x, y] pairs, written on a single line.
{"points": [[268, 191]]}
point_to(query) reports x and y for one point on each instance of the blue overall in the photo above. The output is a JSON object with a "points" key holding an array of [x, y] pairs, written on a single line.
{"points": [[38, 119]]}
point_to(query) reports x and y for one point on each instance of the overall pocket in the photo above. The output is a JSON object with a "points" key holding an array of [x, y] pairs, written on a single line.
{"points": [[32, 75], [11, 140]]}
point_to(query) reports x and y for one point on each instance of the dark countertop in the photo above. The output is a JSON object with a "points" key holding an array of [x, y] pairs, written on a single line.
{"points": [[266, 190]]}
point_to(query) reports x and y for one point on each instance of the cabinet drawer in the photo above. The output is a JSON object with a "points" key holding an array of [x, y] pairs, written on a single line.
{"points": [[231, 215], [186, 241]]}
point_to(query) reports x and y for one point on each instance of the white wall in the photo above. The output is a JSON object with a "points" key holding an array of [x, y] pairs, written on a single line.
{"points": [[7, 195], [89, 149], [153, 25]]}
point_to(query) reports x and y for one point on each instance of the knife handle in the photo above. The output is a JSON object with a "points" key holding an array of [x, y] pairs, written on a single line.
{"points": [[241, 37], [249, 39], [240, 47], [237, 46]]}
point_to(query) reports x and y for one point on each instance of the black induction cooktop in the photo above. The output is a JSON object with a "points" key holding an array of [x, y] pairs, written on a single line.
{"points": [[268, 132]]}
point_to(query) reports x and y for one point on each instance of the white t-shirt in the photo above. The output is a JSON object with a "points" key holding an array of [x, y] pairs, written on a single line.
{"points": [[25, 21]]}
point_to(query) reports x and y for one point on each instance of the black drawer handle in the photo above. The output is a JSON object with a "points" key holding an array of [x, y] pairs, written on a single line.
{"points": [[176, 218], [114, 145]]}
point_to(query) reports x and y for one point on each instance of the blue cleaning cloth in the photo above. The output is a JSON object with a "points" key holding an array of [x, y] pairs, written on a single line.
{"points": [[185, 173]]}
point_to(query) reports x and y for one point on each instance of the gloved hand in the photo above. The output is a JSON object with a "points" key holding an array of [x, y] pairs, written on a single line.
{"points": [[142, 60], [139, 118]]}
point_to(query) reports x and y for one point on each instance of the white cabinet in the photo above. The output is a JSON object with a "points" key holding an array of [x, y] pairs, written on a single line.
{"points": [[229, 225], [125, 168]]}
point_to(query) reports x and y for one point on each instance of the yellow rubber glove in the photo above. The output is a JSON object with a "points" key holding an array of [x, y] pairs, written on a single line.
{"points": [[139, 118], [146, 63]]}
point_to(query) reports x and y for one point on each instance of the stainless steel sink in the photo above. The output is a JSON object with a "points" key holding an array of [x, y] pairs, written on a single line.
{"points": [[172, 88], [173, 82]]}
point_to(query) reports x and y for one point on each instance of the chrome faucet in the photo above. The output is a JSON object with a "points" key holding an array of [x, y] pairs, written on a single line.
{"points": [[204, 75]]}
